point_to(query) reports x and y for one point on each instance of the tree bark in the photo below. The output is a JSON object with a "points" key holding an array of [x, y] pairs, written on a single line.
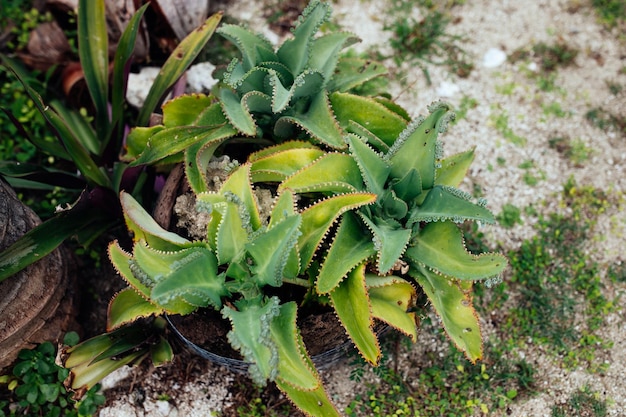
{"points": [[36, 303]]}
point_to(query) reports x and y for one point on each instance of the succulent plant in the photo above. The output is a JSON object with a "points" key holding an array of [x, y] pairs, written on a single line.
{"points": [[410, 229]]}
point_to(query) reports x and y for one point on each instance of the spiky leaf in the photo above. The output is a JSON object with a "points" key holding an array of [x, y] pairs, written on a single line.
{"points": [[440, 247], [390, 242], [391, 298], [454, 168], [455, 308], [127, 306], [371, 165], [351, 303], [333, 172], [317, 220], [353, 72], [251, 335], [350, 248], [280, 165], [447, 203], [314, 402]]}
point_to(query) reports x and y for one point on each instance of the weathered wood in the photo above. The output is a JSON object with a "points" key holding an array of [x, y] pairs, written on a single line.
{"points": [[35, 304]]}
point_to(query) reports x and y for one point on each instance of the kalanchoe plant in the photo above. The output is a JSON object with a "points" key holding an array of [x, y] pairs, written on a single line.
{"points": [[410, 229], [243, 255], [267, 96]]}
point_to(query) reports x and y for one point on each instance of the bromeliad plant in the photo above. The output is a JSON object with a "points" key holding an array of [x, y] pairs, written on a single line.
{"points": [[90, 146]]}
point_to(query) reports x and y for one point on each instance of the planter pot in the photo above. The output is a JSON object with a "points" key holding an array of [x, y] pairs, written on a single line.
{"points": [[204, 333], [37, 302]]}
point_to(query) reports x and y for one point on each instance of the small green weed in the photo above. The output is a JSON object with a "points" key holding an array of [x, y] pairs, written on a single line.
{"points": [[574, 150], [583, 403], [610, 12], [36, 387], [554, 276], [500, 121], [426, 42], [605, 120], [509, 216], [467, 103]]}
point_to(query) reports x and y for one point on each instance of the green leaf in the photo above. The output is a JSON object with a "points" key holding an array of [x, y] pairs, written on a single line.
{"points": [[353, 72], [317, 220], [318, 121], [295, 52], [175, 140], [197, 159], [440, 247], [238, 183], [236, 112], [294, 365], [390, 242], [325, 52], [281, 164], [44, 238], [251, 335], [392, 298], [350, 248], [453, 169], [371, 165], [351, 303], [454, 307], [122, 260], [367, 112], [177, 63], [144, 227], [447, 203], [93, 51], [194, 279], [312, 402], [416, 147], [254, 48], [270, 251], [127, 306], [333, 172], [121, 60]]}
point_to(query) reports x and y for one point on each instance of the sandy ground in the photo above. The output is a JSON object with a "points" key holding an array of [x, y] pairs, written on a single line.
{"points": [[492, 26]]}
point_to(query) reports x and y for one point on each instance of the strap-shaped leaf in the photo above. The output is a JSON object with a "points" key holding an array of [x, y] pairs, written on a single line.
{"points": [[370, 114], [193, 279], [409, 187], [447, 203], [175, 140], [390, 242], [144, 227], [350, 248], [314, 402], [455, 309], [197, 158], [280, 165], [416, 147], [319, 122], [276, 149], [93, 51], [391, 298], [317, 220], [306, 84], [351, 303], [294, 364], [251, 335], [333, 172], [453, 169], [177, 63], [121, 62], [372, 139], [270, 251], [295, 52], [440, 247], [285, 206], [186, 109], [372, 166], [352, 72], [127, 306]]}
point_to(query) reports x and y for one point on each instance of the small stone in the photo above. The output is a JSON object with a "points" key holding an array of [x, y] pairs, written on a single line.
{"points": [[200, 77], [494, 57], [448, 89]]}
